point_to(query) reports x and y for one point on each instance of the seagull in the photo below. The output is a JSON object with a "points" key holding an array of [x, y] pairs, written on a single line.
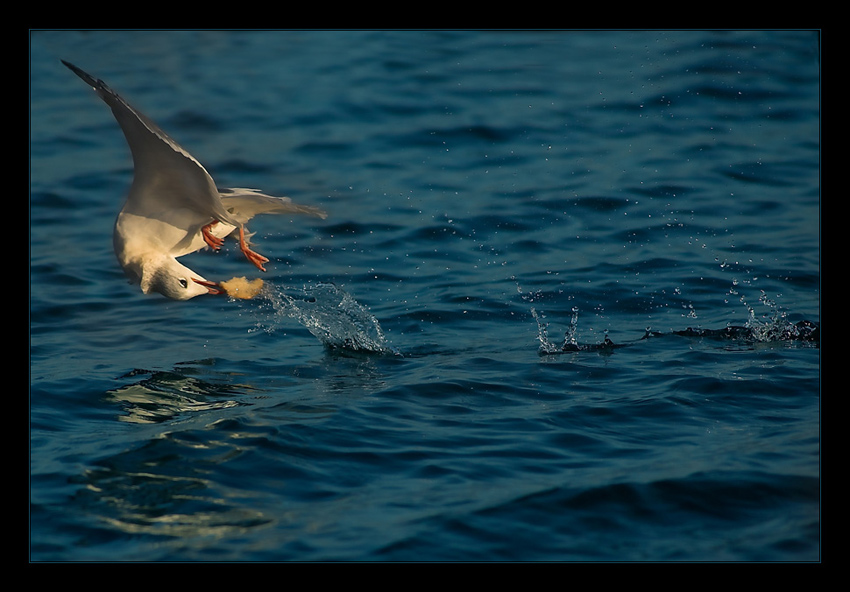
{"points": [[174, 207]]}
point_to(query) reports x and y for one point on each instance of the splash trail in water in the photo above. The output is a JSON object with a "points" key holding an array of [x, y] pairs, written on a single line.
{"points": [[773, 326]]}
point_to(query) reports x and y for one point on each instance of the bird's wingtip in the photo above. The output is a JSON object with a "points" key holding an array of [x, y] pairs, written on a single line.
{"points": [[88, 78], [72, 67]]}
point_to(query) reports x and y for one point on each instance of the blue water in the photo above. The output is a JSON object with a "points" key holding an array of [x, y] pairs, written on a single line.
{"points": [[483, 354]]}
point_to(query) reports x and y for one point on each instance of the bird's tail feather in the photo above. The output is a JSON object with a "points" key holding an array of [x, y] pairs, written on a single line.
{"points": [[247, 203]]}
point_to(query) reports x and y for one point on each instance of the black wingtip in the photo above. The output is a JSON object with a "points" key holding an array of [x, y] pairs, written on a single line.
{"points": [[90, 80], [72, 67]]}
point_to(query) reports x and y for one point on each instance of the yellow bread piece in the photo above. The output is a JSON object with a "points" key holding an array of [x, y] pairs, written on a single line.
{"points": [[240, 287]]}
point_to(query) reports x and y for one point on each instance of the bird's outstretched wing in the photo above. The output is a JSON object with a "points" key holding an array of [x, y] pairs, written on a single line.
{"points": [[166, 176]]}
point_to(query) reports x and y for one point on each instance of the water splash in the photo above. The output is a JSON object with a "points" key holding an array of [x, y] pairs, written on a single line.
{"points": [[546, 344], [332, 315], [774, 324], [570, 342]]}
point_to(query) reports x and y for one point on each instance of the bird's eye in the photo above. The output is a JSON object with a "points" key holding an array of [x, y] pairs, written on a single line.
{"points": [[183, 282]]}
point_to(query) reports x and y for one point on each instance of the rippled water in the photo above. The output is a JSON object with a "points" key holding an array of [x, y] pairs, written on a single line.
{"points": [[565, 307]]}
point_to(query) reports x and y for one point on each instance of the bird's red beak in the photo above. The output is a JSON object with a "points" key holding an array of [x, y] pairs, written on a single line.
{"points": [[212, 287]]}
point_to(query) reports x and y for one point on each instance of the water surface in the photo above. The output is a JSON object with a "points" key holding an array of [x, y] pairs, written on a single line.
{"points": [[483, 354]]}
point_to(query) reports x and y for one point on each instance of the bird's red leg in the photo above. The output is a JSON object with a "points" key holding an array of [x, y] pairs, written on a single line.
{"points": [[213, 241], [253, 257]]}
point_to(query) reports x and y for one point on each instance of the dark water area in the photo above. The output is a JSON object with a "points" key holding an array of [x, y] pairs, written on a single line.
{"points": [[565, 305]]}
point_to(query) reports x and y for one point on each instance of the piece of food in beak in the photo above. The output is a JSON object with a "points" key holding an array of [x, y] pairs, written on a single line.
{"points": [[240, 287]]}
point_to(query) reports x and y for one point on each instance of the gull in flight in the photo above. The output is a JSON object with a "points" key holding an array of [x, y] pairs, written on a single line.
{"points": [[174, 207]]}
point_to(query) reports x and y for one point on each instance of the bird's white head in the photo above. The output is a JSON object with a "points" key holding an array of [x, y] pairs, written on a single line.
{"points": [[173, 280]]}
